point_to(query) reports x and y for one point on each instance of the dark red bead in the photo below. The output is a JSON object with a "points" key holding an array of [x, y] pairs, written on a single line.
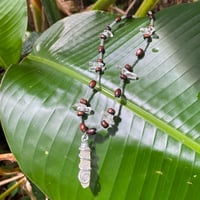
{"points": [[118, 19], [98, 69], [80, 113], [118, 92], [84, 101], [123, 76], [103, 36], [129, 67], [101, 49], [111, 111], [83, 127], [140, 53], [92, 84], [146, 36], [104, 124], [91, 131]]}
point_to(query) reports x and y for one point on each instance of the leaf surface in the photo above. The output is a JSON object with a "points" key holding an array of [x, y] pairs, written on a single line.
{"points": [[152, 151], [13, 22]]}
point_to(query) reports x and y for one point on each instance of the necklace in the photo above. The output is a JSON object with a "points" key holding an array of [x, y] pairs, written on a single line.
{"points": [[84, 109]]}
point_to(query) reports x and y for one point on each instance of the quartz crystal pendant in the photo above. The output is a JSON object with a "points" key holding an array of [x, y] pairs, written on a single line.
{"points": [[85, 162]]}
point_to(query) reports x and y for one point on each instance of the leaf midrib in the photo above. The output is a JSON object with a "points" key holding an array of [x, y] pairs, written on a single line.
{"points": [[162, 125]]}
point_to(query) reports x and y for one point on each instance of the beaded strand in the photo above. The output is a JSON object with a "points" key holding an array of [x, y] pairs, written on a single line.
{"points": [[99, 65], [127, 73], [83, 107]]}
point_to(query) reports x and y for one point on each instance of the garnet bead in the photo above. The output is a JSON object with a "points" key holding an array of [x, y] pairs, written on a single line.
{"points": [[83, 127], [91, 131], [104, 124], [80, 113], [103, 36], [111, 111], [146, 36], [123, 76], [92, 84], [118, 19], [140, 53], [118, 92], [128, 67], [98, 69]]}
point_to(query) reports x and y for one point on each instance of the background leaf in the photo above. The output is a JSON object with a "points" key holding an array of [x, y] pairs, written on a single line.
{"points": [[13, 22], [51, 11], [102, 4], [136, 158]]}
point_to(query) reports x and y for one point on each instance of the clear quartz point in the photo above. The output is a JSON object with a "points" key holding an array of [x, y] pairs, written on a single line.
{"points": [[82, 107], [109, 118], [107, 33], [130, 75], [94, 65], [85, 162], [149, 30]]}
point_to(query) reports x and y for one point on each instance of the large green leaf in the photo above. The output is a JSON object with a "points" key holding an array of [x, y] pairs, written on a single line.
{"points": [[13, 22], [152, 151]]}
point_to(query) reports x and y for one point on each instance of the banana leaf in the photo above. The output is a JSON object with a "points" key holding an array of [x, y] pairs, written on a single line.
{"points": [[152, 150], [13, 22]]}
